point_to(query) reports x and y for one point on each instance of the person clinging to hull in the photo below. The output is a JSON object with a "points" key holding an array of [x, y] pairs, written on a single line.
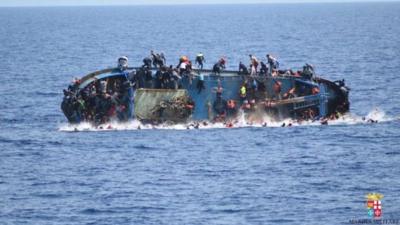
{"points": [[219, 104], [200, 83]]}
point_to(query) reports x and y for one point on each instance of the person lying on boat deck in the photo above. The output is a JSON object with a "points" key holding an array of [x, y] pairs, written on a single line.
{"points": [[253, 65], [243, 69], [219, 66], [200, 83], [200, 60]]}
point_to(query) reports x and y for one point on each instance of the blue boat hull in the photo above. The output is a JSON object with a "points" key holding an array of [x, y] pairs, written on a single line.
{"points": [[330, 98]]}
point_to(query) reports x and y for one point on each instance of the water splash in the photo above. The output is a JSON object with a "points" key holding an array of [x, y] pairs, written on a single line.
{"points": [[374, 116]]}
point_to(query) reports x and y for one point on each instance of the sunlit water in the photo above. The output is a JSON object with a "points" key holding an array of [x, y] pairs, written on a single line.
{"points": [[307, 173]]}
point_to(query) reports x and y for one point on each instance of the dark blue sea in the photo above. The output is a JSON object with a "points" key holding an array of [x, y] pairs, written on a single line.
{"points": [[304, 174]]}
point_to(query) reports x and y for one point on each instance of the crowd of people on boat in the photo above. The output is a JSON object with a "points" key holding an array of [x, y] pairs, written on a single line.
{"points": [[107, 98], [169, 76], [98, 101]]}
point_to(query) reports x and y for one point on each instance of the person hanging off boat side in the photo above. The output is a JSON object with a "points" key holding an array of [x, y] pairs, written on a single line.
{"points": [[200, 83]]}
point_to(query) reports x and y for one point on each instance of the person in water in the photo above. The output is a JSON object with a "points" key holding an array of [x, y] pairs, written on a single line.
{"points": [[200, 60]]}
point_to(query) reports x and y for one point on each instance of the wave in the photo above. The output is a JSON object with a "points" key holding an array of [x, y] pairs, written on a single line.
{"points": [[374, 116]]}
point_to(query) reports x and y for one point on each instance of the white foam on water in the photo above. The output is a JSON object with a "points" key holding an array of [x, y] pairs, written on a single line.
{"points": [[375, 115]]}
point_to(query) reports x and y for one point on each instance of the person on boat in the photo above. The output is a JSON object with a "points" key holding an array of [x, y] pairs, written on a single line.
{"points": [[122, 63], [219, 66], [243, 69], [154, 58], [263, 69], [158, 78], [175, 82], [147, 62], [189, 67], [308, 71], [272, 63], [162, 57], [183, 64], [200, 83], [148, 78], [166, 77], [200, 60], [158, 60], [253, 65]]}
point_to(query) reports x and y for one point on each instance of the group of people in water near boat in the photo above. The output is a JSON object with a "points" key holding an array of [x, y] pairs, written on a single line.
{"points": [[109, 98]]}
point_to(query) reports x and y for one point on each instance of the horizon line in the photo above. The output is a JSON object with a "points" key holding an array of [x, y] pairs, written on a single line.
{"points": [[203, 4]]}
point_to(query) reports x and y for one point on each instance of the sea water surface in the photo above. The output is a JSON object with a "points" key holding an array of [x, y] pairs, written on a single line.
{"points": [[308, 174]]}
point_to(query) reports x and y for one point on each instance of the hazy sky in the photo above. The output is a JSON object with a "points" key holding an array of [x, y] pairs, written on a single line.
{"points": [[152, 2]]}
